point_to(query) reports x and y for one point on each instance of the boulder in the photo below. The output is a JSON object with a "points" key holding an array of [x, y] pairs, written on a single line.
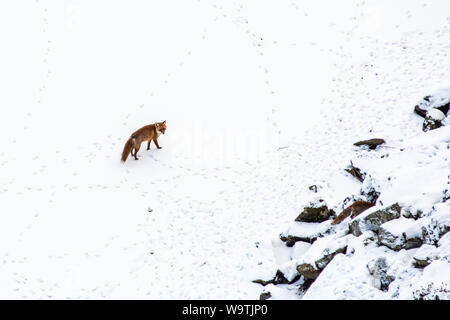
{"points": [[433, 120], [411, 212], [444, 247], [379, 268], [446, 195], [308, 271], [401, 234], [328, 255], [373, 218], [425, 255], [371, 143], [356, 172], [315, 214], [369, 189], [265, 296], [291, 240], [319, 255], [305, 231], [439, 100], [434, 284], [434, 108], [438, 225], [278, 279]]}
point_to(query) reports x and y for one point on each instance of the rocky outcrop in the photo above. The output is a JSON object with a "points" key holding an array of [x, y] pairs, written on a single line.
{"points": [[373, 219], [401, 234], [425, 255], [305, 231], [315, 213], [278, 279], [379, 268], [356, 172], [308, 271], [436, 226], [433, 120], [434, 108], [319, 256], [265, 295]]}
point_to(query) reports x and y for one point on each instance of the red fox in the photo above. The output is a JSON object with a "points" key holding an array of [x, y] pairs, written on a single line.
{"points": [[146, 133], [355, 209]]}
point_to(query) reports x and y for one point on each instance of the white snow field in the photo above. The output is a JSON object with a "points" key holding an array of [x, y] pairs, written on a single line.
{"points": [[262, 99]]}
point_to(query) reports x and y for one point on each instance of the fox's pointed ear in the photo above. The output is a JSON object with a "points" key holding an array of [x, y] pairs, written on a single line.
{"points": [[164, 122]]}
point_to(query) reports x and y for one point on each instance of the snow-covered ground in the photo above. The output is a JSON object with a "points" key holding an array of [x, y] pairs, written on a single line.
{"points": [[262, 99]]}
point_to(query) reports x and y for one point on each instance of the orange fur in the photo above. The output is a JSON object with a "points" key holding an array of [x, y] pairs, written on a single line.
{"points": [[355, 209]]}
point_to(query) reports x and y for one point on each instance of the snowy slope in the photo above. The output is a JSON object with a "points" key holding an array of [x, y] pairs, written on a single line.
{"points": [[262, 99]]}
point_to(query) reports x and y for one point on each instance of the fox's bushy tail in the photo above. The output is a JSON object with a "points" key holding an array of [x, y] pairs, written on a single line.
{"points": [[127, 149]]}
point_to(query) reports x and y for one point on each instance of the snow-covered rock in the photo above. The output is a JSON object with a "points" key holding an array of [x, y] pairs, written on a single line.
{"points": [[319, 255], [373, 218], [401, 234], [305, 231], [425, 255], [379, 269], [315, 212]]}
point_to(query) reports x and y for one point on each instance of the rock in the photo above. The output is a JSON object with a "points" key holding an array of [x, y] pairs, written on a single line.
{"points": [[446, 195], [265, 296], [436, 114], [433, 292], [289, 271], [379, 268], [425, 255], [437, 225], [368, 237], [278, 279], [319, 255], [313, 188], [419, 263], [354, 228], [372, 220], [434, 283], [328, 256], [315, 214], [371, 143], [400, 234], [356, 172], [439, 100], [304, 286], [305, 231], [444, 247], [434, 108], [369, 189], [290, 240], [430, 123], [419, 111], [410, 212], [308, 271]]}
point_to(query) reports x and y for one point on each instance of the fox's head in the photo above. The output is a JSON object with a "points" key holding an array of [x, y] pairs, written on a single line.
{"points": [[161, 126]]}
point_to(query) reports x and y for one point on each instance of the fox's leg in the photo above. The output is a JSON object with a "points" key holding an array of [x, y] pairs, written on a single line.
{"points": [[156, 143], [136, 149], [148, 145]]}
